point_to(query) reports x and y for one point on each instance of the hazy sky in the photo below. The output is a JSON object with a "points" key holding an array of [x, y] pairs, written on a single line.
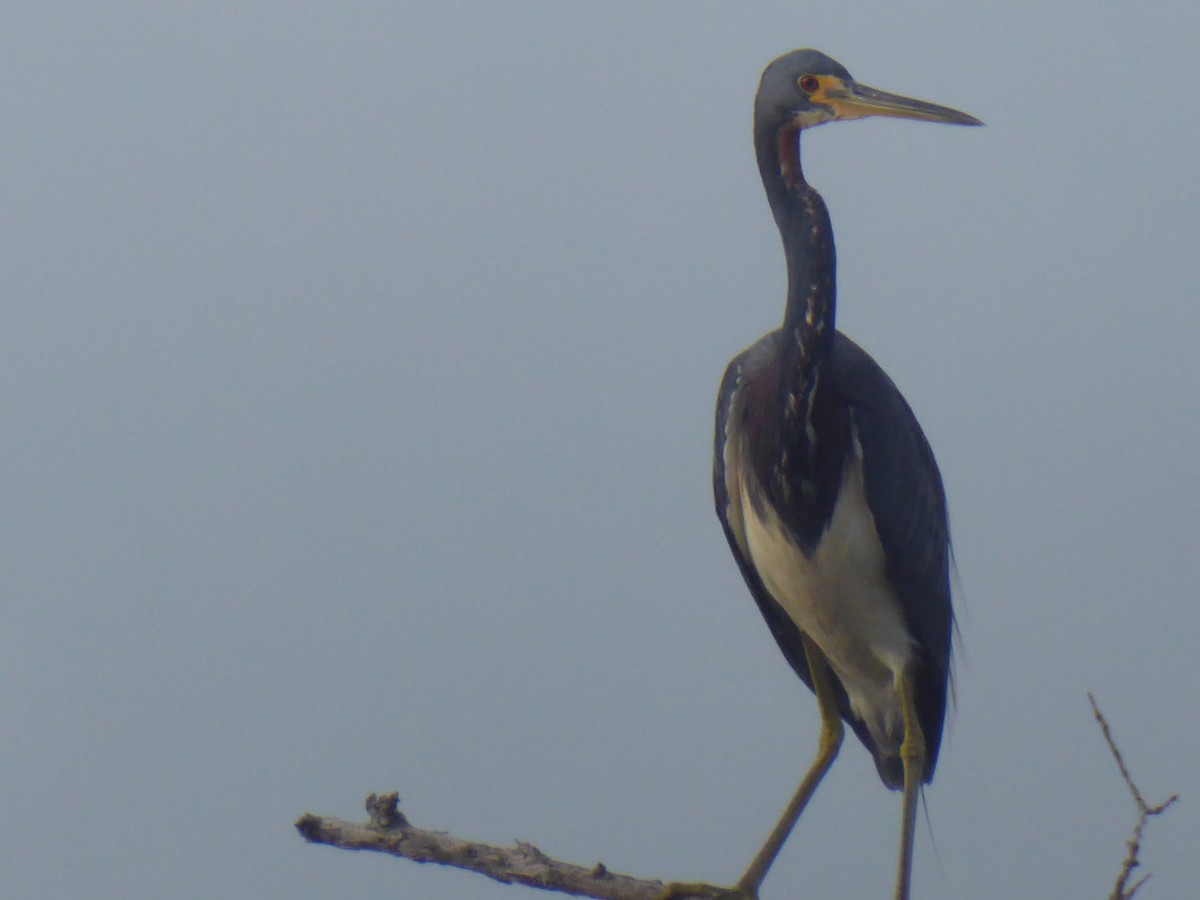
{"points": [[358, 363]]}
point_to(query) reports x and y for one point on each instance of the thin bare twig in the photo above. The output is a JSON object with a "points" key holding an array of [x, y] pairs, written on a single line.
{"points": [[388, 831], [1123, 890]]}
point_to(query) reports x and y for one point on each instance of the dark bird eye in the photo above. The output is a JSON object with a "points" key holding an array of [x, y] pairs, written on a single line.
{"points": [[809, 83]]}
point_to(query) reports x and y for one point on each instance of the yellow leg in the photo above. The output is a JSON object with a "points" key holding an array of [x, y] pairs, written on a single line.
{"points": [[827, 750], [912, 756]]}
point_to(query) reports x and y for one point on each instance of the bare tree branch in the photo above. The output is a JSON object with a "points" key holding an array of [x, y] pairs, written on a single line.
{"points": [[1123, 890], [388, 831]]}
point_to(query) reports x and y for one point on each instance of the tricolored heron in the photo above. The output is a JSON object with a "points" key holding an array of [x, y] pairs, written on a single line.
{"points": [[826, 486]]}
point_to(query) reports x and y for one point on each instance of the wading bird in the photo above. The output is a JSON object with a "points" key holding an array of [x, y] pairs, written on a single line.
{"points": [[826, 486]]}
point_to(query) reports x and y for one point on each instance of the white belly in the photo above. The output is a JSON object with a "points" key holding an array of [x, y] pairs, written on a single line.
{"points": [[839, 597]]}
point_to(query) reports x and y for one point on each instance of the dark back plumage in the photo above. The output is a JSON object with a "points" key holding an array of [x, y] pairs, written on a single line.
{"points": [[904, 490]]}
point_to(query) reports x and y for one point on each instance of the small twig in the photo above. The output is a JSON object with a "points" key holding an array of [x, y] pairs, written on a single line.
{"points": [[1123, 890], [388, 831]]}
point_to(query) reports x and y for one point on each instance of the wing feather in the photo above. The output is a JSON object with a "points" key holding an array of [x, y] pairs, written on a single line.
{"points": [[906, 497], [726, 491]]}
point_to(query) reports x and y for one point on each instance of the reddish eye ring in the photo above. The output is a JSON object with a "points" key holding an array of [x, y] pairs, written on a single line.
{"points": [[808, 83]]}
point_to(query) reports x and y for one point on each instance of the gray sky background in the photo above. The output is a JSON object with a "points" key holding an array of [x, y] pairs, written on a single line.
{"points": [[358, 364]]}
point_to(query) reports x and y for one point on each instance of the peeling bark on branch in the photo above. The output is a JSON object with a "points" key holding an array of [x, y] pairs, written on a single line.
{"points": [[388, 831]]}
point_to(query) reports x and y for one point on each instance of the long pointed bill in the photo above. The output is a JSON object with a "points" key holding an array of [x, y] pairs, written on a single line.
{"points": [[857, 101]]}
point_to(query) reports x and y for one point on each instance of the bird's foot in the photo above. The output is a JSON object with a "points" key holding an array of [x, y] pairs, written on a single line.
{"points": [[685, 890]]}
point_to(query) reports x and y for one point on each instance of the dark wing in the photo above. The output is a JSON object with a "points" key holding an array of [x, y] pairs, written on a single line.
{"points": [[904, 492], [739, 377]]}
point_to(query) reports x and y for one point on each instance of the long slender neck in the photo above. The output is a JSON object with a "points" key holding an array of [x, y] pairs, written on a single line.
{"points": [[803, 220], [802, 460]]}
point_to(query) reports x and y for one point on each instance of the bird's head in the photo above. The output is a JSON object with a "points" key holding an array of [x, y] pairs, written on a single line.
{"points": [[806, 88]]}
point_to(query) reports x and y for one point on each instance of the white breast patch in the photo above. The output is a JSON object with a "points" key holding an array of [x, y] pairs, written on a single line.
{"points": [[839, 596]]}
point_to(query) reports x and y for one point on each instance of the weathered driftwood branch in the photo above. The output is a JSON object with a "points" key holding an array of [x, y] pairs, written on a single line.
{"points": [[1123, 890], [388, 831]]}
